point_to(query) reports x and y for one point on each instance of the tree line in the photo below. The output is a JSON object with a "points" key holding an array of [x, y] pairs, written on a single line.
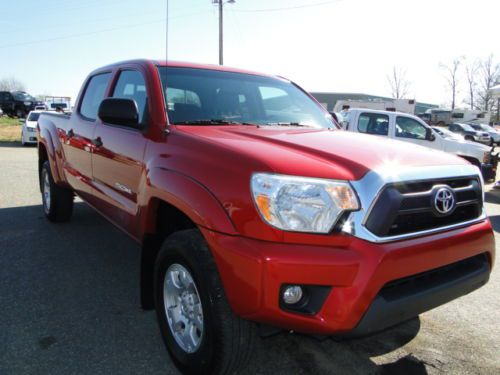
{"points": [[477, 75]]}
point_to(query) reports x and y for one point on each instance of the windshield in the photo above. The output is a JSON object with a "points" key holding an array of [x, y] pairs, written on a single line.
{"points": [[33, 116], [488, 128], [467, 127], [22, 96], [210, 97]]}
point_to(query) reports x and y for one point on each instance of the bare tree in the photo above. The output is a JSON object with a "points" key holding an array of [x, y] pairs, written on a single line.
{"points": [[489, 75], [11, 84], [398, 83], [451, 75], [471, 69]]}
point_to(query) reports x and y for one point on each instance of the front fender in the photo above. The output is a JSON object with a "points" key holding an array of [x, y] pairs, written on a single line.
{"points": [[186, 194]]}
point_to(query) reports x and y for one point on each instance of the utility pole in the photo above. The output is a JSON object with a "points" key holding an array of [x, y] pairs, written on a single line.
{"points": [[221, 33], [221, 27]]}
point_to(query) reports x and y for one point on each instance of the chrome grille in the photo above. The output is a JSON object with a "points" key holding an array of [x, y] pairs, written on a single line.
{"points": [[407, 207]]}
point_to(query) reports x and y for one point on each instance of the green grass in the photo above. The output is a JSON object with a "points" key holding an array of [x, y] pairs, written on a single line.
{"points": [[8, 121], [10, 129]]}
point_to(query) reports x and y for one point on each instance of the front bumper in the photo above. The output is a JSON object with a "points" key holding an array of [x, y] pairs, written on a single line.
{"points": [[483, 140], [489, 171], [406, 298], [253, 272]]}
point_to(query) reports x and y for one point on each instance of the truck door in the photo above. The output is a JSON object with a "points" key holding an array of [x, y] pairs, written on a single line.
{"points": [[118, 157], [76, 138], [410, 130]]}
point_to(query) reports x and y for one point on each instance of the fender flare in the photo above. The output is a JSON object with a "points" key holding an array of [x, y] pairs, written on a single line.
{"points": [[186, 194]]}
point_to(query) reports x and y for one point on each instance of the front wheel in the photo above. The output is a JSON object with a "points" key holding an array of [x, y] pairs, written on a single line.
{"points": [[469, 138], [57, 201], [200, 331]]}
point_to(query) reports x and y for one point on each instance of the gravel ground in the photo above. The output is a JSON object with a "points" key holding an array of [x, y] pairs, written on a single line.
{"points": [[69, 302]]}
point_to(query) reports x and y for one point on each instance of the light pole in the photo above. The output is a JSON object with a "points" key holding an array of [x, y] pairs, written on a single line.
{"points": [[221, 27]]}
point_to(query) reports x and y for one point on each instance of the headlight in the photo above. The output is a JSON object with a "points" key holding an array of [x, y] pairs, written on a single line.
{"points": [[301, 204], [27, 103], [486, 157]]}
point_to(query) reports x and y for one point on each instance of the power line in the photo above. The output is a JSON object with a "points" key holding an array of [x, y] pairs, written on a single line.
{"points": [[31, 42], [286, 8]]}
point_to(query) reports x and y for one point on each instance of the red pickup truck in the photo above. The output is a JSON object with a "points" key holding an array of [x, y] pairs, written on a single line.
{"points": [[253, 210]]}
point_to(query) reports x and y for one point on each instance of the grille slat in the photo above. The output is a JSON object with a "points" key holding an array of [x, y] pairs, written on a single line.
{"points": [[404, 208]]}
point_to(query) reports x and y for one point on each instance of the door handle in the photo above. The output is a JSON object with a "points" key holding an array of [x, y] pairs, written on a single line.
{"points": [[97, 142], [70, 133]]}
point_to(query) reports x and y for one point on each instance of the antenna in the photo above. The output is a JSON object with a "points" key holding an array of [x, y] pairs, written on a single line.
{"points": [[166, 32], [166, 130]]}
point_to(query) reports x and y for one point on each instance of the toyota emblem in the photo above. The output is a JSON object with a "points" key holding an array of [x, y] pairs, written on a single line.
{"points": [[444, 200]]}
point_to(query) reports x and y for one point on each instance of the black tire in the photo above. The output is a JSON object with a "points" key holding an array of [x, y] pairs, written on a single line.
{"points": [[59, 205], [20, 113], [469, 138], [227, 340]]}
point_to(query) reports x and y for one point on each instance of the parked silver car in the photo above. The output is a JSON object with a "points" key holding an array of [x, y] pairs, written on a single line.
{"points": [[494, 134]]}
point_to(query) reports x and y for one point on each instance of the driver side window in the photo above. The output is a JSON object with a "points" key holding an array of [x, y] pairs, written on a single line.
{"points": [[409, 128]]}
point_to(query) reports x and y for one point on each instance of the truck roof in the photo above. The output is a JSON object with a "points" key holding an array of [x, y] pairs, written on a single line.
{"points": [[381, 111], [181, 64]]}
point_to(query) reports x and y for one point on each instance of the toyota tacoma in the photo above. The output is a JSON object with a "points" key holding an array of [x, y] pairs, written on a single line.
{"points": [[253, 210]]}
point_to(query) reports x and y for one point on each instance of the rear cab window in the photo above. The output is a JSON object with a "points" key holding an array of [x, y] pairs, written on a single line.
{"points": [[93, 96], [373, 123]]}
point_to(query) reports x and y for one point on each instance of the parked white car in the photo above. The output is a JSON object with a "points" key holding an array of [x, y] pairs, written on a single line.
{"points": [[28, 132], [408, 128], [494, 134]]}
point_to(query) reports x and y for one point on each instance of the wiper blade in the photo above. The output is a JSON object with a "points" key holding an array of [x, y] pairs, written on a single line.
{"points": [[287, 124], [209, 122]]}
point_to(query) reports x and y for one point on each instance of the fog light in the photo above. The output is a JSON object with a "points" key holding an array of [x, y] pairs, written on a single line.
{"points": [[292, 294]]}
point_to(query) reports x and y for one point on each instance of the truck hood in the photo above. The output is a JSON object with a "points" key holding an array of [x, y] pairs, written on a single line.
{"points": [[319, 153], [462, 144]]}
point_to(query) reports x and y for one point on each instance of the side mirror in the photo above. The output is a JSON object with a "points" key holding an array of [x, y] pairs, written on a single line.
{"points": [[430, 135], [118, 111]]}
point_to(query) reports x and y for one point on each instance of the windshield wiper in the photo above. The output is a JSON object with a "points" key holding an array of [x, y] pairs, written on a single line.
{"points": [[287, 124], [210, 122]]}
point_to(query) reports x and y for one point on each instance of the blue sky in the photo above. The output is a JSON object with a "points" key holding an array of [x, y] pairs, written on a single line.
{"points": [[339, 45]]}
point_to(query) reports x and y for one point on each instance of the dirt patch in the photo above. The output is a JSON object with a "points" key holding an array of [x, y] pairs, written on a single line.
{"points": [[10, 133]]}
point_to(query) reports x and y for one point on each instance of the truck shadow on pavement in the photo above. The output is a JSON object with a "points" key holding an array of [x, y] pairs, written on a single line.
{"points": [[493, 196], [70, 299], [11, 144]]}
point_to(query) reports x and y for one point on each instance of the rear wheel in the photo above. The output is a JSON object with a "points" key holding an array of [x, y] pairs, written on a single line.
{"points": [[200, 331], [57, 201]]}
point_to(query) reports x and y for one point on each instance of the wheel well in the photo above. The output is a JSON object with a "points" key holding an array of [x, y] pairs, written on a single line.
{"points": [[42, 158], [168, 219], [472, 160]]}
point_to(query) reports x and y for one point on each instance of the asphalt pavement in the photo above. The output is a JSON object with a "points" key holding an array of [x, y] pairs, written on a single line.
{"points": [[69, 304]]}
